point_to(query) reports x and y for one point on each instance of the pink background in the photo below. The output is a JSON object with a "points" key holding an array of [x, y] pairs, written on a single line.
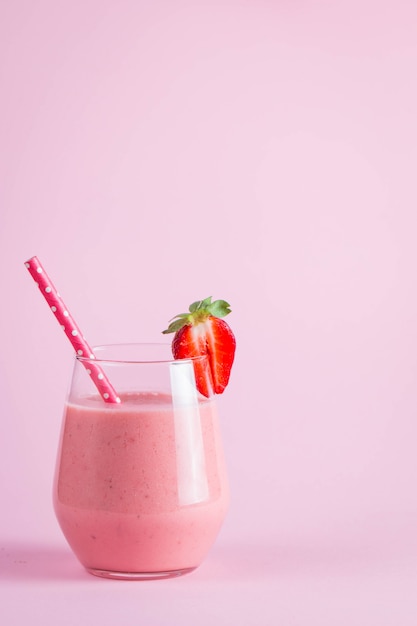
{"points": [[154, 153]]}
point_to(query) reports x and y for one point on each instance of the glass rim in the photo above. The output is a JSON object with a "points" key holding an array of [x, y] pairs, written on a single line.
{"points": [[138, 361]]}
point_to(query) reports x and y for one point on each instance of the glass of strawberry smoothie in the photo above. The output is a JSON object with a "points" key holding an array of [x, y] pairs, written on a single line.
{"points": [[140, 489]]}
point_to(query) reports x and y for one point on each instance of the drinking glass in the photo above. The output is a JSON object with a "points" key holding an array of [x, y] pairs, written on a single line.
{"points": [[140, 489]]}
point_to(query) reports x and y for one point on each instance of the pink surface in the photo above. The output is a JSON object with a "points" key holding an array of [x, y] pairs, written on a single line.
{"points": [[263, 152]]}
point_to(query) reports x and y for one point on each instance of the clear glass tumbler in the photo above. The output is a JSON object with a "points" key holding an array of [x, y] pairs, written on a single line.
{"points": [[140, 489]]}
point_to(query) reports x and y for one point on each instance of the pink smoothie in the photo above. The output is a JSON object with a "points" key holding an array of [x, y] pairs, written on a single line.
{"points": [[140, 486]]}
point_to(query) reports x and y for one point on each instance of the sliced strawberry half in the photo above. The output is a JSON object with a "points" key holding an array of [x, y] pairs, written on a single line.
{"points": [[201, 332]]}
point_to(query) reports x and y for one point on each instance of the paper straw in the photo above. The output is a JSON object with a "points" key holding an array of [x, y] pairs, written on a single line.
{"points": [[71, 329]]}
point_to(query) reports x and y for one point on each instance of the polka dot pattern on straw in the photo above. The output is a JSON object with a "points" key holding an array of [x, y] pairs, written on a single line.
{"points": [[71, 329]]}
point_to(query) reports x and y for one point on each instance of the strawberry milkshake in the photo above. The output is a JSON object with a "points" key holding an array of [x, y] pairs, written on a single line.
{"points": [[140, 488]]}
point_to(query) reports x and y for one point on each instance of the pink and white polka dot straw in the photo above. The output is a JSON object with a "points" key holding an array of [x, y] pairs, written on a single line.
{"points": [[71, 329]]}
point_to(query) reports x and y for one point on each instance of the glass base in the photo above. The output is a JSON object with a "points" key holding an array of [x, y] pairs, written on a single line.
{"points": [[139, 575]]}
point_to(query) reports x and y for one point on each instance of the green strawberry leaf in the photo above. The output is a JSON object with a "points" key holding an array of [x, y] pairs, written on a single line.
{"points": [[219, 308], [175, 325], [194, 306], [206, 303]]}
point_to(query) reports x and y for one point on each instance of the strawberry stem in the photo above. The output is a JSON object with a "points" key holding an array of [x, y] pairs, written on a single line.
{"points": [[199, 311]]}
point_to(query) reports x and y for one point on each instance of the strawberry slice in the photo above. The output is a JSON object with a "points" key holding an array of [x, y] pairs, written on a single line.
{"points": [[201, 332]]}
